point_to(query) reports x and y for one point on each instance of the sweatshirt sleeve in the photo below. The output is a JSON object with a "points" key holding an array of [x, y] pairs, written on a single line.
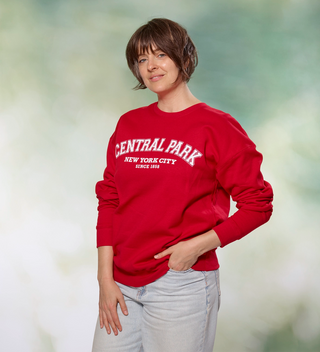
{"points": [[241, 178], [108, 199]]}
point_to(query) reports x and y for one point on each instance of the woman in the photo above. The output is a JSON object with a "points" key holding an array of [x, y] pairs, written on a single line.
{"points": [[164, 203]]}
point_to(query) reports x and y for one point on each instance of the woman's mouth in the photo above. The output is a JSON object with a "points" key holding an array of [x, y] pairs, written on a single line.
{"points": [[156, 78]]}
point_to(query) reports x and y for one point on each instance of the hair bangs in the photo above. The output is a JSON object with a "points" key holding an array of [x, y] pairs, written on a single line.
{"points": [[148, 42]]}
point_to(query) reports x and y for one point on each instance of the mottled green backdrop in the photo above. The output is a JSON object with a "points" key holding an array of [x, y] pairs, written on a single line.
{"points": [[63, 85]]}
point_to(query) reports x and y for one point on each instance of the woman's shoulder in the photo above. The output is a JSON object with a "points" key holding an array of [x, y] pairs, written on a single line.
{"points": [[219, 118], [136, 112], [132, 117], [211, 110]]}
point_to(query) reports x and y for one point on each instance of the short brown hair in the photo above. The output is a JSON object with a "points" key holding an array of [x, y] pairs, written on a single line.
{"points": [[169, 37]]}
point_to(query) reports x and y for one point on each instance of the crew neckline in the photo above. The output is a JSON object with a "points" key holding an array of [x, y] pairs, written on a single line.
{"points": [[176, 114]]}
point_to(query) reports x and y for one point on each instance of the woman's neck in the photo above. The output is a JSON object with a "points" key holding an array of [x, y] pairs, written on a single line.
{"points": [[177, 100]]}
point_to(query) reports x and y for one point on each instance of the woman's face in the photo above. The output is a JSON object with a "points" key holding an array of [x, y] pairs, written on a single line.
{"points": [[158, 72]]}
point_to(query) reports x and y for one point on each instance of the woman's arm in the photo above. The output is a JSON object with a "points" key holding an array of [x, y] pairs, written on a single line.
{"points": [[110, 294]]}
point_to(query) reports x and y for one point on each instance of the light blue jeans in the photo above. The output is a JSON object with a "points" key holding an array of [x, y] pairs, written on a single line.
{"points": [[176, 313]]}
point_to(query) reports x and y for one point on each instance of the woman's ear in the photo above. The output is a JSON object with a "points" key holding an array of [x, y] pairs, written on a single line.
{"points": [[186, 64]]}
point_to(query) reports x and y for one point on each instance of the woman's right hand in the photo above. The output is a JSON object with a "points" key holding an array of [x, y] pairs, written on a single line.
{"points": [[109, 297]]}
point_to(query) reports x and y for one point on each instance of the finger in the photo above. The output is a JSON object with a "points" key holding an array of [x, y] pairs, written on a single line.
{"points": [[112, 324], [115, 319], [123, 306], [105, 321], [100, 318], [164, 253]]}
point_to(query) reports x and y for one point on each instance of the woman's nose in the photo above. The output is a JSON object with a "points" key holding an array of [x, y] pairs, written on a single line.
{"points": [[152, 65]]}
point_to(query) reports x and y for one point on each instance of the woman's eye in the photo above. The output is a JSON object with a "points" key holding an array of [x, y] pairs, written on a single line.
{"points": [[162, 55], [141, 61]]}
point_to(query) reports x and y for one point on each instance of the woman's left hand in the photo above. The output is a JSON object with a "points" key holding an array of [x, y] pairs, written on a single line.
{"points": [[184, 254]]}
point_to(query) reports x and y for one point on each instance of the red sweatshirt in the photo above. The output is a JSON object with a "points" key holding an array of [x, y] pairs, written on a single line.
{"points": [[169, 177]]}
